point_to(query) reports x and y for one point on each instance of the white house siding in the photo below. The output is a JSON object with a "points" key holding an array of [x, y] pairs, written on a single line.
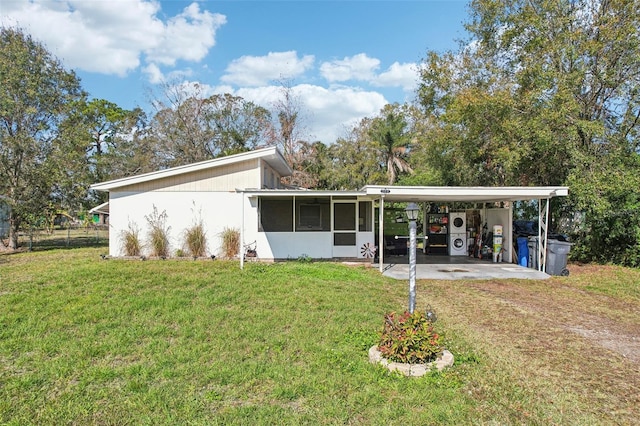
{"points": [[270, 178], [293, 245], [216, 209], [224, 178]]}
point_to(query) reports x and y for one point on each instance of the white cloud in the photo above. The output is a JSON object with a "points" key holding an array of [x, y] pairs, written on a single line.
{"points": [[261, 70], [154, 74], [187, 36], [357, 67], [111, 37], [398, 75], [328, 112], [361, 67]]}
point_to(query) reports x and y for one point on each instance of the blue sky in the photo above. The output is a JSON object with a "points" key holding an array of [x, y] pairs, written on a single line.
{"points": [[344, 59]]}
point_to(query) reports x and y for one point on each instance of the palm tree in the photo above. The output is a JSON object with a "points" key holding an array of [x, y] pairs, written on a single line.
{"points": [[389, 135]]}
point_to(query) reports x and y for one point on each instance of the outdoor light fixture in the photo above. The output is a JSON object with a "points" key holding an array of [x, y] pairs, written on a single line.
{"points": [[412, 211], [412, 214]]}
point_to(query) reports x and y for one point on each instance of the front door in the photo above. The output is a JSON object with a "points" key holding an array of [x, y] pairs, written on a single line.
{"points": [[345, 215]]}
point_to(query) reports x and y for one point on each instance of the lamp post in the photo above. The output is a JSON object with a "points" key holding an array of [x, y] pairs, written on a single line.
{"points": [[412, 214]]}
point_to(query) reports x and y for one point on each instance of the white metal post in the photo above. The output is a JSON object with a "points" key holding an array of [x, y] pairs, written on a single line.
{"points": [[242, 200], [412, 266], [381, 234], [543, 233]]}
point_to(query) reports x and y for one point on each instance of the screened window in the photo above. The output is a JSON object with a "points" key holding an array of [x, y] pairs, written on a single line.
{"points": [[344, 217], [276, 214], [313, 214], [364, 216]]}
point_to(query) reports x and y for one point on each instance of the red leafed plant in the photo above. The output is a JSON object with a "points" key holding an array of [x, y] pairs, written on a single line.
{"points": [[409, 338]]}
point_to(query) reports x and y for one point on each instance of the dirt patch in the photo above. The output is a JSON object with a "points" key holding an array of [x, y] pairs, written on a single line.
{"points": [[576, 311], [625, 345]]}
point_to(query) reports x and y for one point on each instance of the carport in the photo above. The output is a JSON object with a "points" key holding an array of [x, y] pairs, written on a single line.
{"points": [[478, 195]]}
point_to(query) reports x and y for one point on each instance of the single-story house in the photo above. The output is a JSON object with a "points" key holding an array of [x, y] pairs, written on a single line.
{"points": [[100, 214], [244, 192]]}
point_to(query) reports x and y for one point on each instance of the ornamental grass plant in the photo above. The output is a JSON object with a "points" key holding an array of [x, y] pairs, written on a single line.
{"points": [[195, 240], [130, 240], [230, 242], [158, 233]]}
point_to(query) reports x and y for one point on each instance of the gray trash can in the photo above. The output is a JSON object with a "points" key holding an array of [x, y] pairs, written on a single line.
{"points": [[533, 252], [557, 252]]}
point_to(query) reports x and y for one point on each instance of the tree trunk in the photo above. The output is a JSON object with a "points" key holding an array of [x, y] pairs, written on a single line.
{"points": [[14, 225]]}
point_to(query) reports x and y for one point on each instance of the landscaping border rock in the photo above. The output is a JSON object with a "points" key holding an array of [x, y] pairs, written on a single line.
{"points": [[411, 370]]}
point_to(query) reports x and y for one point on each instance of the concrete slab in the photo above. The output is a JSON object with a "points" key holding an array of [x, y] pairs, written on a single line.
{"points": [[458, 268]]}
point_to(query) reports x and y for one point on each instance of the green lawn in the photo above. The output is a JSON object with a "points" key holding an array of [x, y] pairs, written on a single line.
{"points": [[91, 341]]}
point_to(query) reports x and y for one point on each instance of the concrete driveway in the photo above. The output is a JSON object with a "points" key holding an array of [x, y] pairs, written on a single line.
{"points": [[457, 268]]}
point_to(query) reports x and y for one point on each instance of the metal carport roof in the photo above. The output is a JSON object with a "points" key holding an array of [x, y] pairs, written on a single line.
{"points": [[479, 194]]}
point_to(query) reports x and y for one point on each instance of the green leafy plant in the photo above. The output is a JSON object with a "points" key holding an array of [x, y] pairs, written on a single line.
{"points": [[195, 240], [130, 240], [230, 242], [409, 338], [158, 233]]}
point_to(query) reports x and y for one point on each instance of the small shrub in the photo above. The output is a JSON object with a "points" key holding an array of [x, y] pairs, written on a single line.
{"points": [[158, 233], [195, 240], [409, 338], [130, 240], [230, 242], [180, 253]]}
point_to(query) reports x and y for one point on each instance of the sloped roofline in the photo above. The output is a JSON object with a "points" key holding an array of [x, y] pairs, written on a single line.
{"points": [[102, 208], [270, 155]]}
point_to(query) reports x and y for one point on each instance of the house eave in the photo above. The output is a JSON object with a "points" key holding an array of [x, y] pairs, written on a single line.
{"points": [[270, 155]]}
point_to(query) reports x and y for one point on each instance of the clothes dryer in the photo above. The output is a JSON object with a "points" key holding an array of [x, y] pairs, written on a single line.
{"points": [[458, 223]]}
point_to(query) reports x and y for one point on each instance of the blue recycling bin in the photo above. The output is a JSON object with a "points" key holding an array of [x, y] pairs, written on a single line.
{"points": [[523, 251]]}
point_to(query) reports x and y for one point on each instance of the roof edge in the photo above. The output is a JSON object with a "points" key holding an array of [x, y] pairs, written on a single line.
{"points": [[277, 161]]}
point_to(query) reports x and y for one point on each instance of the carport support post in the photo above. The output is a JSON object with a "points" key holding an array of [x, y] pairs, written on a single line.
{"points": [[381, 234]]}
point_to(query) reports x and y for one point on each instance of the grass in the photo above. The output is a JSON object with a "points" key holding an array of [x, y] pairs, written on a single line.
{"points": [[91, 341]]}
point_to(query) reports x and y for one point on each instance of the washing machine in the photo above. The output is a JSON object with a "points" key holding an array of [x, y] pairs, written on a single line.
{"points": [[458, 245], [458, 234]]}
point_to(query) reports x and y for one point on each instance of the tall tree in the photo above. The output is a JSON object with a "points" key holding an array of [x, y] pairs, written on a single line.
{"points": [[188, 128], [36, 95], [389, 135], [545, 95], [240, 125], [355, 161], [288, 132], [108, 125]]}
